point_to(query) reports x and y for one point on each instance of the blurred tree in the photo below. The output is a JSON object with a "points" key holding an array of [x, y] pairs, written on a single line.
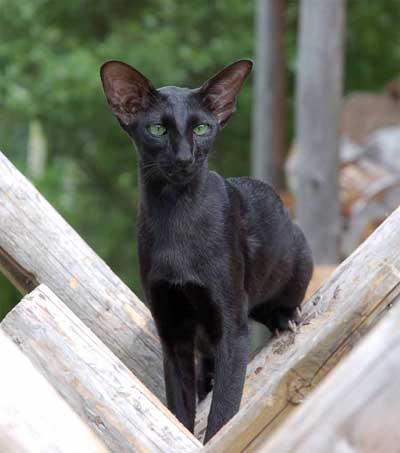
{"points": [[269, 106], [319, 95]]}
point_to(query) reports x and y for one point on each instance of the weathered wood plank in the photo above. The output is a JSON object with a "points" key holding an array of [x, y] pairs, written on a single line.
{"points": [[101, 390], [356, 408], [333, 320], [38, 246], [33, 417]]}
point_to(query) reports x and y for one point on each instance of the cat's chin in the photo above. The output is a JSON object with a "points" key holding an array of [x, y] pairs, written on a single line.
{"points": [[179, 179]]}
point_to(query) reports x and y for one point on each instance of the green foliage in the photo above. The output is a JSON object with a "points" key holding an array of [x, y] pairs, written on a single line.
{"points": [[50, 54], [8, 296], [373, 52]]}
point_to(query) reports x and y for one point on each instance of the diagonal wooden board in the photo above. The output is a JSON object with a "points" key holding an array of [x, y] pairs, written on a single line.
{"points": [[33, 417], [38, 246], [333, 320], [93, 381], [356, 408]]}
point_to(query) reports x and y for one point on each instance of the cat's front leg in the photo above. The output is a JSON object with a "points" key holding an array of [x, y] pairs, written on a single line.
{"points": [[175, 324], [231, 357], [180, 387]]}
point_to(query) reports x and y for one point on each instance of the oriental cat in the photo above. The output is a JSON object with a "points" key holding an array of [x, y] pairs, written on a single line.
{"points": [[213, 252]]}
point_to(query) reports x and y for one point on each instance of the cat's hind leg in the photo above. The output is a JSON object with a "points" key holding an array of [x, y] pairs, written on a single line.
{"points": [[282, 309]]}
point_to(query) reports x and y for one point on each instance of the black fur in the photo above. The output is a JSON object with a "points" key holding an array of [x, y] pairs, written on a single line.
{"points": [[213, 251]]}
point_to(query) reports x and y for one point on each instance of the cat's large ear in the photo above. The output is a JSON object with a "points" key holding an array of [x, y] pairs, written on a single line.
{"points": [[219, 93], [126, 89]]}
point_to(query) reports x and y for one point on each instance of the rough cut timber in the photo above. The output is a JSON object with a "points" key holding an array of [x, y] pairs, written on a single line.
{"points": [[357, 407], [91, 379], [38, 246], [33, 417], [333, 320]]}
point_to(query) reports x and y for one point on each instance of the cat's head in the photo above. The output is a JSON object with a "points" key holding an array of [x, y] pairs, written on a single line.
{"points": [[173, 128]]}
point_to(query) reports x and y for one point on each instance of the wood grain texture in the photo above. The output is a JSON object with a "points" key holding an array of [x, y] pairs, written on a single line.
{"points": [[38, 246], [318, 102], [33, 417], [356, 408], [333, 320], [100, 389]]}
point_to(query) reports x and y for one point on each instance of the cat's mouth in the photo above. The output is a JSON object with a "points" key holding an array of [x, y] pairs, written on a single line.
{"points": [[180, 177]]}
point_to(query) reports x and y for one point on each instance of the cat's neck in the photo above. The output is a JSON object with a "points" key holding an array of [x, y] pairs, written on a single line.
{"points": [[156, 192]]}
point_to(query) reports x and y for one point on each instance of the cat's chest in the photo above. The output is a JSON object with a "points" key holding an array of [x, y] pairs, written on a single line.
{"points": [[176, 231], [173, 248], [172, 241]]}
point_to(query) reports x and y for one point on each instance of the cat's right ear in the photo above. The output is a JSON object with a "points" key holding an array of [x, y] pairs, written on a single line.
{"points": [[126, 89], [220, 92]]}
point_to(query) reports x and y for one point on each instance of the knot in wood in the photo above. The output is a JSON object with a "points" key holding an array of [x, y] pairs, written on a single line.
{"points": [[298, 388]]}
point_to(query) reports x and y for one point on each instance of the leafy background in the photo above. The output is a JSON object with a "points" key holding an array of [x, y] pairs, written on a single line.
{"points": [[50, 53]]}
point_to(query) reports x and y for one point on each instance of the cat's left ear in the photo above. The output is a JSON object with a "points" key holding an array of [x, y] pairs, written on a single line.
{"points": [[127, 90], [219, 93]]}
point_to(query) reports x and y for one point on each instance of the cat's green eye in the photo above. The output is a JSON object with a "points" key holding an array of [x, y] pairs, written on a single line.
{"points": [[157, 130], [201, 129]]}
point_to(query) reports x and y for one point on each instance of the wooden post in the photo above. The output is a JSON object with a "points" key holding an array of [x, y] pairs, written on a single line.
{"points": [[333, 320], [38, 246], [101, 390], [269, 114], [33, 417], [356, 408], [319, 94]]}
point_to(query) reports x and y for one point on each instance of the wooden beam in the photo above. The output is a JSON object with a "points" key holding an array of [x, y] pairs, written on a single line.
{"points": [[356, 408], [333, 320], [38, 246], [101, 390], [33, 417]]}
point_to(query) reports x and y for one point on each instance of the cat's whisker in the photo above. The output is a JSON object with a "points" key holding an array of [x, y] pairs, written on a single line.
{"points": [[148, 173], [148, 165]]}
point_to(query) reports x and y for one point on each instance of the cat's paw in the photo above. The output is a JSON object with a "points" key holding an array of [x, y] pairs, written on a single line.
{"points": [[283, 318]]}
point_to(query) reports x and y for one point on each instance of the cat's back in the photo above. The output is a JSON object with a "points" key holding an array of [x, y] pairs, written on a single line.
{"points": [[269, 231], [259, 199], [270, 236]]}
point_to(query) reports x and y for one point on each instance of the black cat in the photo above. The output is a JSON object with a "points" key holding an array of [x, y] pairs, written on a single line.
{"points": [[213, 251]]}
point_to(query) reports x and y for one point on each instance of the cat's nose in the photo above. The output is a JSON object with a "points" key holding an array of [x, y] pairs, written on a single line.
{"points": [[184, 162], [183, 155], [184, 158]]}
